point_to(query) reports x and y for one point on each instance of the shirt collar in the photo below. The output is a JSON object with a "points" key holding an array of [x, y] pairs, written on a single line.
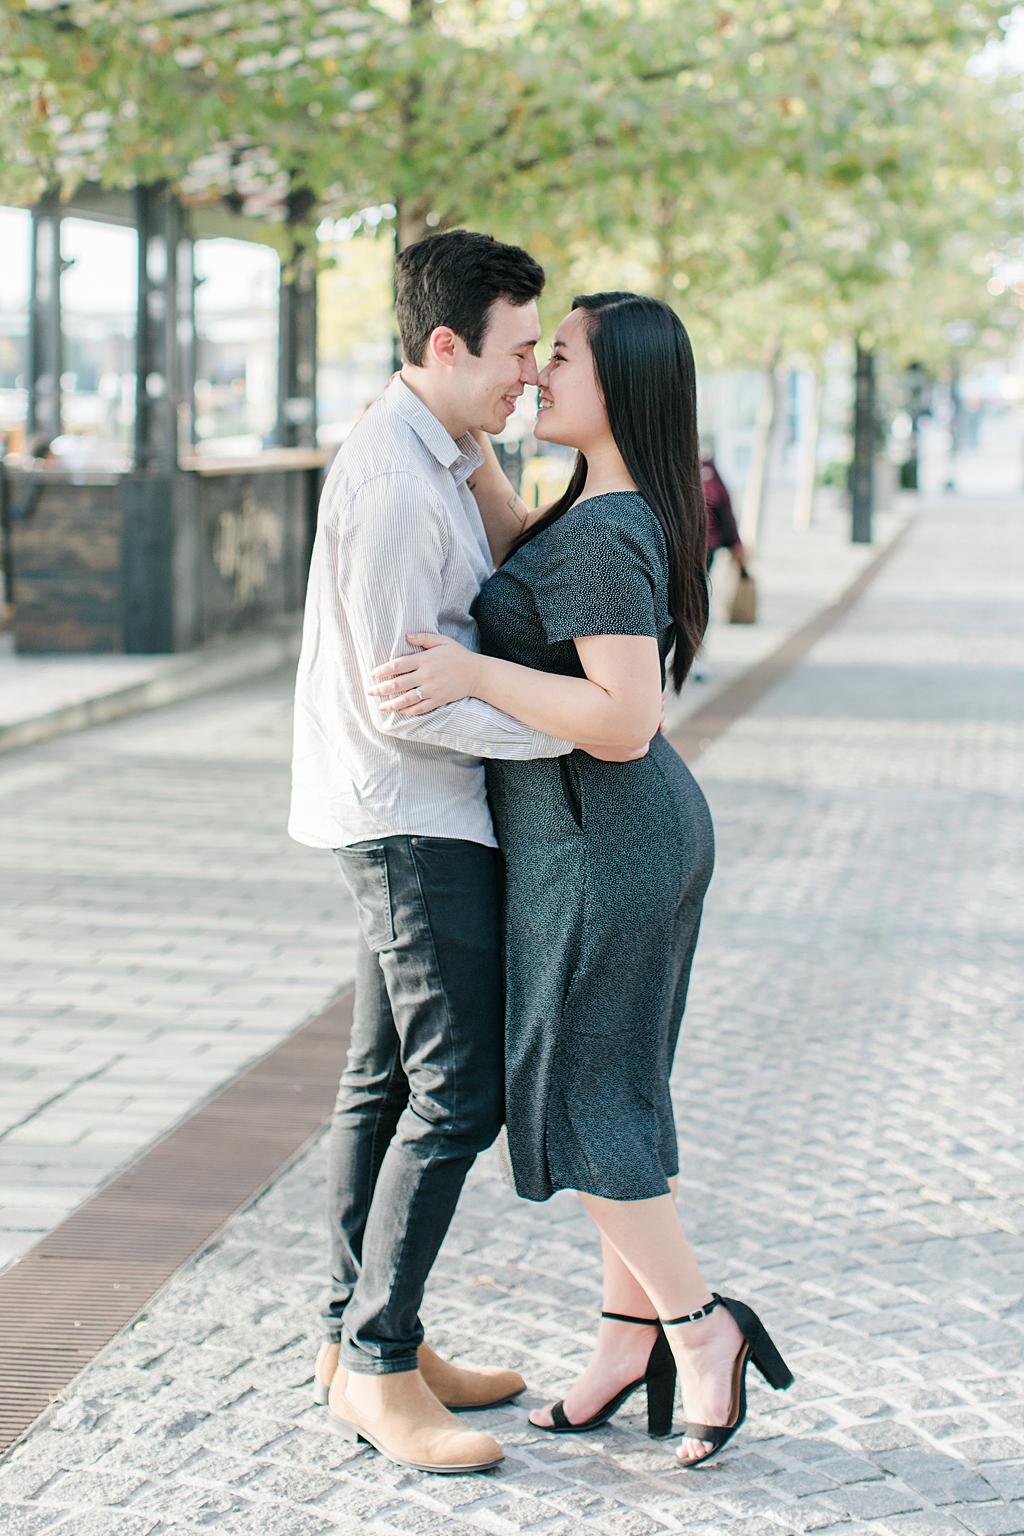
{"points": [[460, 455]]}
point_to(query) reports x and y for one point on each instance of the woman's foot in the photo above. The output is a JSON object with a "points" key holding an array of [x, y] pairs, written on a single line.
{"points": [[621, 1356], [705, 1353]]}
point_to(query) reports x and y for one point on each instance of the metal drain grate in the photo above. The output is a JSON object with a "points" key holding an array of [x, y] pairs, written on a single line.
{"points": [[70, 1294]]}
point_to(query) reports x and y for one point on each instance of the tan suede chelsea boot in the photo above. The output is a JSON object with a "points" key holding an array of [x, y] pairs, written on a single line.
{"points": [[460, 1387], [402, 1419]]}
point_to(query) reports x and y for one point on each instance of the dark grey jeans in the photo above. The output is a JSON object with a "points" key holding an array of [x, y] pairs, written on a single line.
{"points": [[423, 1088]]}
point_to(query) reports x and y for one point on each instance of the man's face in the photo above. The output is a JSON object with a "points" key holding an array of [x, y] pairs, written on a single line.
{"points": [[490, 385]]}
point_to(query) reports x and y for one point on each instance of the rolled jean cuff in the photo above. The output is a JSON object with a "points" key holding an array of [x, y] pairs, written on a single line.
{"points": [[365, 1365]]}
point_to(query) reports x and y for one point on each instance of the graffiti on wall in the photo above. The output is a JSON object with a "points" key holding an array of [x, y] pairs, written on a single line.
{"points": [[247, 543]]}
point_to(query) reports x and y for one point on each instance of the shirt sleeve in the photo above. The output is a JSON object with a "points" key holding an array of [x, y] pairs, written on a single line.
{"points": [[393, 545], [601, 576]]}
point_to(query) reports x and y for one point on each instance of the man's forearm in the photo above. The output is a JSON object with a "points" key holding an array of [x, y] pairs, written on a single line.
{"points": [[477, 729]]}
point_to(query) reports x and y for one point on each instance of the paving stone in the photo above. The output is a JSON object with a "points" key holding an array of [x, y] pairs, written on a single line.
{"points": [[930, 1524], [942, 1478], [60, 1452], [211, 1468], [275, 1520], [198, 1506], [18, 1520], [887, 1436], [1007, 1480], [25, 1482], [96, 1522], [993, 1519], [415, 1518], [87, 1487], [991, 1448], [867, 1501]]}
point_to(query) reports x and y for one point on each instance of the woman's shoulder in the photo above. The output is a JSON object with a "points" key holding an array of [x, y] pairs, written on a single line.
{"points": [[615, 518]]}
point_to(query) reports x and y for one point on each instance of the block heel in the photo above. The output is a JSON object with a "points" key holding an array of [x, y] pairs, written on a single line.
{"points": [[770, 1363], [659, 1379], [757, 1346], [661, 1394]]}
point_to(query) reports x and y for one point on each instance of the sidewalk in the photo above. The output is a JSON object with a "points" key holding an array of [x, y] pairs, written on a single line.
{"points": [[46, 696], [847, 1097], [160, 932]]}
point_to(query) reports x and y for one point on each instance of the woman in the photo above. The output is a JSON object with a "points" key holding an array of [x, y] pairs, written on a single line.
{"points": [[607, 859]]}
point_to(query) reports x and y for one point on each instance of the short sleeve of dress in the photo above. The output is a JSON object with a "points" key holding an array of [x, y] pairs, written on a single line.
{"points": [[602, 569]]}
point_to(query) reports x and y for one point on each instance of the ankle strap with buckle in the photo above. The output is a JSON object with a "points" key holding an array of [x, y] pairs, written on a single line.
{"points": [[623, 1317], [694, 1317]]}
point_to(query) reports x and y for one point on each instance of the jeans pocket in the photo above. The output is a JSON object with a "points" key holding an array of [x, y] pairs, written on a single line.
{"points": [[366, 875]]}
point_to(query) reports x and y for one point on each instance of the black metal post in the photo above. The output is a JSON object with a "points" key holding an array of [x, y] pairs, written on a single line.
{"points": [[158, 389], [45, 350], [915, 410], [862, 470], [296, 404], [296, 390], [184, 391], [6, 552], [956, 418]]}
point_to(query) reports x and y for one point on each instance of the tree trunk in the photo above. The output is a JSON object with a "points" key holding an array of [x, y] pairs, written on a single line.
{"points": [[664, 231], [803, 505], [862, 470], [757, 476], [410, 212], [410, 222]]}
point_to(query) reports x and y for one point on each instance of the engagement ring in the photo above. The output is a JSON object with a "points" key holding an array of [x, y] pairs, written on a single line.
{"points": [[419, 694]]}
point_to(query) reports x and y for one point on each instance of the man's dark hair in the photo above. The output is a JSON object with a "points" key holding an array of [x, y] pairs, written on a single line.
{"points": [[453, 279]]}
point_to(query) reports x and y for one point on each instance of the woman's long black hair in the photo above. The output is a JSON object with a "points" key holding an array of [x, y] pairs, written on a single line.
{"points": [[645, 371]]}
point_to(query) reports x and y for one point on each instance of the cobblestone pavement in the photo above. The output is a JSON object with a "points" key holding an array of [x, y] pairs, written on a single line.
{"points": [[851, 1110], [159, 932]]}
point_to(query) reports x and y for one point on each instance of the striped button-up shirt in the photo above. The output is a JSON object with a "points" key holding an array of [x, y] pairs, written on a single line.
{"points": [[400, 548]]}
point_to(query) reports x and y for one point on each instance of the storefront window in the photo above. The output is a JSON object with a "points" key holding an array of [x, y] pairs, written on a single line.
{"points": [[236, 346], [15, 240], [99, 285]]}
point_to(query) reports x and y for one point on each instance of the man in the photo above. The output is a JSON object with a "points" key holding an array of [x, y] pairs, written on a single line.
{"points": [[401, 549]]}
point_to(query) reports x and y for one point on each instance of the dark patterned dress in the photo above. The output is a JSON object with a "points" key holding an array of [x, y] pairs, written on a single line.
{"points": [[607, 868]]}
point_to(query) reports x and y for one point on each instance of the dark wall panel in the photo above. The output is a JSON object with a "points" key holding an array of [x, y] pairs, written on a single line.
{"points": [[147, 574], [67, 568]]}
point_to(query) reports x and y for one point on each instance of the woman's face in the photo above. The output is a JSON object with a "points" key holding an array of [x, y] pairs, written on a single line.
{"points": [[571, 410]]}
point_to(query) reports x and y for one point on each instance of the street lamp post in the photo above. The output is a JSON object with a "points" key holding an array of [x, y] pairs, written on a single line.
{"points": [[916, 408], [862, 470], [958, 334]]}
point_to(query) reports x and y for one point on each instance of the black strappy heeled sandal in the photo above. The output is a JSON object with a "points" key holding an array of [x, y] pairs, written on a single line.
{"points": [[758, 1347], [659, 1379]]}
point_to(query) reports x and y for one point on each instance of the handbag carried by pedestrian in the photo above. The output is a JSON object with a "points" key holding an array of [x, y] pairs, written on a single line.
{"points": [[744, 602]]}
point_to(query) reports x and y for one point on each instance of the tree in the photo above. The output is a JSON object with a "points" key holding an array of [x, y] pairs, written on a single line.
{"points": [[803, 169]]}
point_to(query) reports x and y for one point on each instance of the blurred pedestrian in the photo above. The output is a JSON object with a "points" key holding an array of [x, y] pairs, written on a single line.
{"points": [[722, 530]]}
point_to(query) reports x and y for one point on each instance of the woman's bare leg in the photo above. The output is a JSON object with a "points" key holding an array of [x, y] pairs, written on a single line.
{"points": [[622, 1349], [649, 1239]]}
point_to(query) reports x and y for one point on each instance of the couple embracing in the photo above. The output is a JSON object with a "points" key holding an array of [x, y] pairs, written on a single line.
{"points": [[526, 929]]}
